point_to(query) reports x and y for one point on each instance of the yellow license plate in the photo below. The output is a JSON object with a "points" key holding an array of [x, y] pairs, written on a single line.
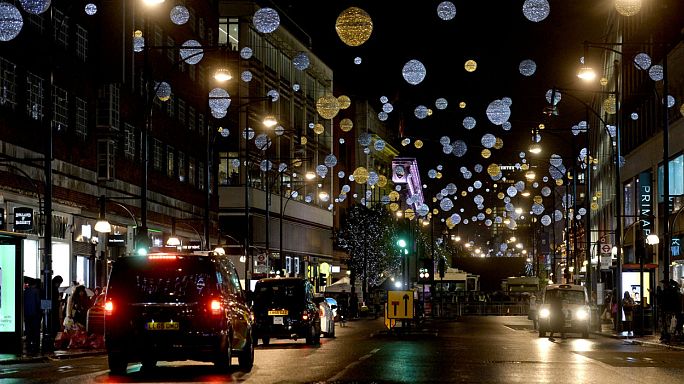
{"points": [[162, 326], [279, 312]]}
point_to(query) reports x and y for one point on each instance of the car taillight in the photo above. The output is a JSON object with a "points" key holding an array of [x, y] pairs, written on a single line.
{"points": [[215, 307], [108, 307], [305, 316], [321, 312]]}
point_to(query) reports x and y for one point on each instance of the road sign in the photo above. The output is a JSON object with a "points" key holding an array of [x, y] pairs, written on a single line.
{"points": [[606, 248], [400, 304], [389, 323]]}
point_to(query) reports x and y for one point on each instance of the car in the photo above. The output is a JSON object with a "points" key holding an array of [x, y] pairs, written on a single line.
{"points": [[576, 310], [176, 306], [327, 316], [284, 308], [95, 316], [333, 305]]}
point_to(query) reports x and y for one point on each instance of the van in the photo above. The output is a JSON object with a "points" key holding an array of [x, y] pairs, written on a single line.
{"points": [[284, 308], [576, 311], [176, 306]]}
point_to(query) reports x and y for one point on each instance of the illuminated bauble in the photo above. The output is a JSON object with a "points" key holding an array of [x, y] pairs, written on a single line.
{"points": [[441, 103], [681, 109], [594, 206], [303, 140], [498, 112], [318, 128], [446, 204], [246, 76], [498, 143], [379, 145], [536, 10], [360, 175], [459, 148], [382, 181], [10, 21], [354, 26], [246, 53], [545, 220], [90, 9], [470, 65], [365, 139], [35, 7], [328, 106], [628, 7], [266, 20], [219, 99], [410, 213], [382, 116], [656, 72], [262, 142], [527, 67], [179, 15], [537, 199], [418, 144], [446, 10], [555, 94], [344, 101], [609, 105], [330, 160], [642, 61], [321, 170], [488, 140], [346, 125], [413, 72], [301, 61], [163, 91], [462, 104], [486, 153], [493, 169], [219, 113], [192, 52], [469, 122], [421, 112], [358, 60], [500, 195]]}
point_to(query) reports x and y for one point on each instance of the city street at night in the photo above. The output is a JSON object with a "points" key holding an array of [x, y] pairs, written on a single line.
{"points": [[471, 350]]}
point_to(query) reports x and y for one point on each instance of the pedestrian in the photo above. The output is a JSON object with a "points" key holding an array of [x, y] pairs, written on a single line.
{"points": [[78, 305], [32, 315], [628, 309], [557, 316], [56, 313], [532, 311]]}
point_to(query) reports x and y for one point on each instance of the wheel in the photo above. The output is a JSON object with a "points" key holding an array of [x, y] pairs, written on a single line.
{"points": [[311, 335], [117, 363], [223, 359], [246, 357], [265, 340], [332, 334], [317, 334]]}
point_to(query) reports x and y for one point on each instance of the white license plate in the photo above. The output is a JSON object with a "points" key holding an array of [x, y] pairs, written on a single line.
{"points": [[278, 320]]}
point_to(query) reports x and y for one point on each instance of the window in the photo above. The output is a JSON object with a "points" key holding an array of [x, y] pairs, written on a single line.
{"points": [[61, 28], [129, 141], [201, 28], [108, 106], [676, 178], [34, 96], [60, 111], [8, 81], [81, 43], [200, 175], [191, 118], [170, 52], [170, 161], [158, 154], [181, 167], [200, 123], [81, 128], [105, 159], [181, 111], [157, 39], [170, 106], [191, 171], [36, 21]]}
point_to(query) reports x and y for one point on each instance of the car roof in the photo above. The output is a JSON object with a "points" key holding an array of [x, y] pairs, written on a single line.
{"points": [[569, 287]]}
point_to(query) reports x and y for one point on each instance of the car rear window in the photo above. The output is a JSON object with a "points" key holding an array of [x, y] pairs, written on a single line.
{"points": [[281, 293], [183, 279]]}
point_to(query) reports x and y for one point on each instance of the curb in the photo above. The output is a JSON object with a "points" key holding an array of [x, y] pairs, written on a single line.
{"points": [[636, 341], [56, 356]]}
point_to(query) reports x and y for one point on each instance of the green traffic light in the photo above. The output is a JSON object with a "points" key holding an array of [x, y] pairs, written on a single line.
{"points": [[401, 243], [142, 251]]}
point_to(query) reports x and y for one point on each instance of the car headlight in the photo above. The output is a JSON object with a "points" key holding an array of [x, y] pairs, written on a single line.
{"points": [[544, 313], [582, 314]]}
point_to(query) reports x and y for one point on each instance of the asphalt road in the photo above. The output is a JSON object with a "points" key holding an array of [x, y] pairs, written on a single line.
{"points": [[473, 350]]}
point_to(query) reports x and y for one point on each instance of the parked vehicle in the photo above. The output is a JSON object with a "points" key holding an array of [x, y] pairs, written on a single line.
{"points": [[575, 311], [175, 306], [284, 308], [95, 316], [327, 316]]}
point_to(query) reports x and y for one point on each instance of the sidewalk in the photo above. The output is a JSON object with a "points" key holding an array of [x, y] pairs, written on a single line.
{"points": [[8, 358], [651, 340]]}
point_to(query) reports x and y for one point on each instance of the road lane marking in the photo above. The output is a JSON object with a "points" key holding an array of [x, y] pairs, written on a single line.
{"points": [[353, 364]]}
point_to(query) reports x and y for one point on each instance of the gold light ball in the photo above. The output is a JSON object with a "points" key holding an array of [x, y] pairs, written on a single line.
{"points": [[537, 199], [382, 181], [464, 193], [409, 213], [486, 153], [346, 125], [462, 104], [499, 143], [493, 169], [418, 144], [360, 175], [525, 167], [344, 101], [318, 128], [609, 105], [628, 7], [354, 26], [559, 182], [439, 175], [470, 65], [681, 109], [394, 196], [435, 211], [594, 206], [603, 81], [599, 194], [500, 195], [304, 140], [328, 106], [488, 211], [393, 207]]}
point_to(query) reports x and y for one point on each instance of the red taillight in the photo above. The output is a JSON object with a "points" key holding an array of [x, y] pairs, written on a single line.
{"points": [[215, 307], [321, 312], [108, 307], [305, 316]]}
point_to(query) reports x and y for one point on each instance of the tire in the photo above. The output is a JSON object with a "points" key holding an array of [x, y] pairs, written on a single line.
{"points": [[223, 359], [265, 340], [246, 357], [311, 335], [332, 334], [149, 364], [117, 363]]}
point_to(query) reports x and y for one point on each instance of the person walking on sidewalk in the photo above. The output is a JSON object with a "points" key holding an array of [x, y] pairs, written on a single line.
{"points": [[628, 309]]}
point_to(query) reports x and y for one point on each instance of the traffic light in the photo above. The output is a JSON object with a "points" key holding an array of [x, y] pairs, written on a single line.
{"points": [[424, 275], [322, 280], [142, 242], [403, 245]]}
